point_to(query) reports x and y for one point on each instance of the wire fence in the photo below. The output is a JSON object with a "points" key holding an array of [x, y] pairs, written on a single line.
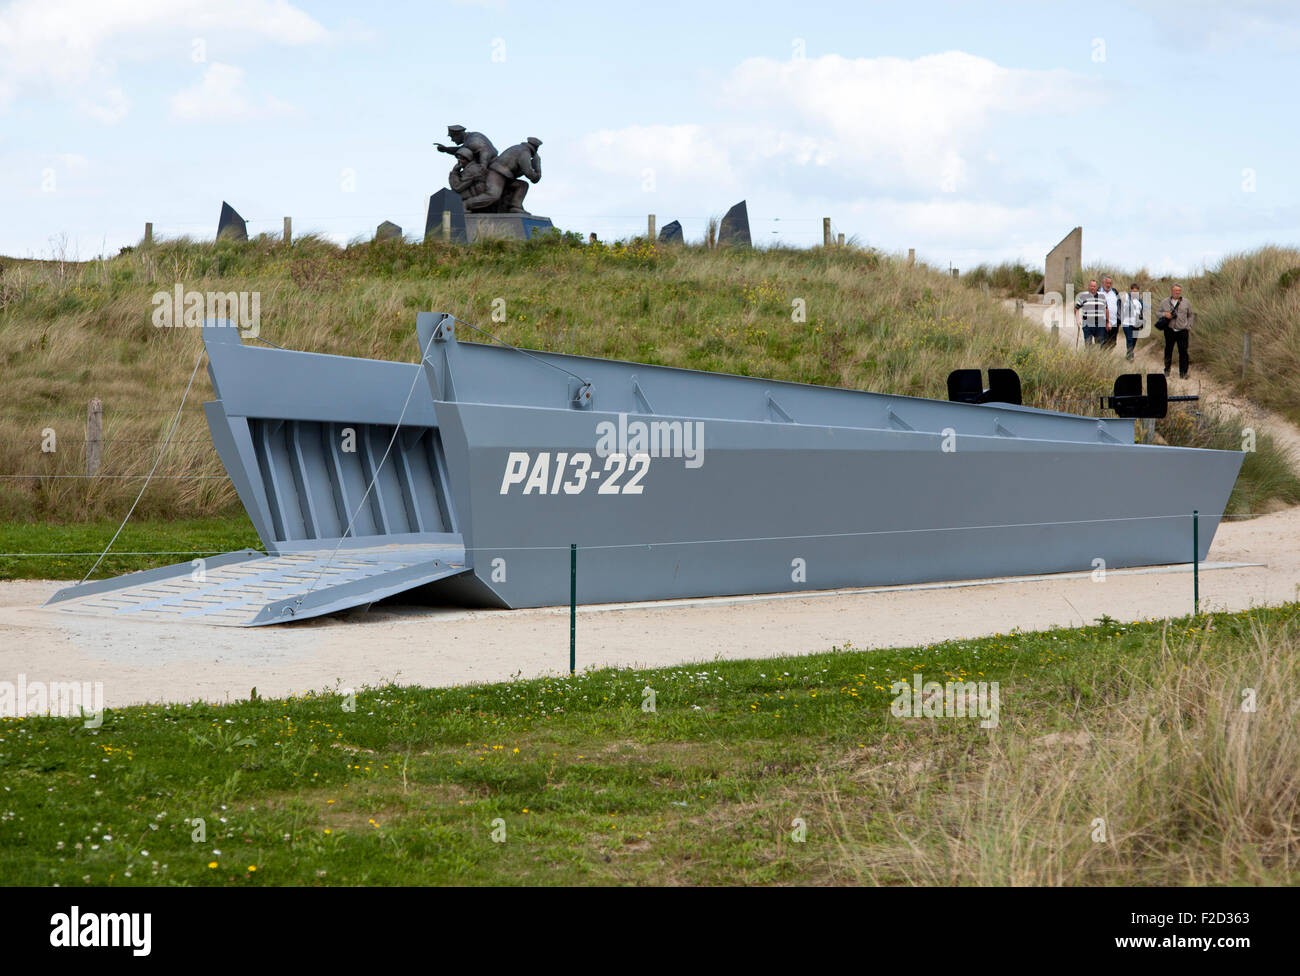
{"points": [[666, 543], [573, 549], [790, 230]]}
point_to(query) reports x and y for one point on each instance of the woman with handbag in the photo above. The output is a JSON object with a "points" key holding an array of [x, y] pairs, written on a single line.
{"points": [[1174, 319]]}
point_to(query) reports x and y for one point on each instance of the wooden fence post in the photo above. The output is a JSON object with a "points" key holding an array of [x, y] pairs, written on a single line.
{"points": [[94, 436], [650, 227], [1245, 355], [288, 230], [911, 256], [840, 242], [826, 232], [148, 233]]}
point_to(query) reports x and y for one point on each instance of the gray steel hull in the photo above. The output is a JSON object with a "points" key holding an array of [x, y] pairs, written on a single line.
{"points": [[776, 507]]}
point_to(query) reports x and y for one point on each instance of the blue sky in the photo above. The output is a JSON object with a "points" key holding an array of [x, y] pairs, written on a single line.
{"points": [[971, 131]]}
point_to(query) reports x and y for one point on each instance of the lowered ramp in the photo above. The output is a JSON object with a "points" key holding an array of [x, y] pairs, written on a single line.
{"points": [[249, 588], [342, 475]]}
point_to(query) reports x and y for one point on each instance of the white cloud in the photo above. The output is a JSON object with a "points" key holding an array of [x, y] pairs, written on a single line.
{"points": [[927, 152], [69, 47], [916, 127], [111, 106], [221, 96], [923, 123]]}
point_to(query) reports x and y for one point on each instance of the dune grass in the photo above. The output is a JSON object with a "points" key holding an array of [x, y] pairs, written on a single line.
{"points": [[33, 550], [1005, 280], [1161, 753]]}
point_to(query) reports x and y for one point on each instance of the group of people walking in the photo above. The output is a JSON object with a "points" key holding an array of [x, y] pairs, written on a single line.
{"points": [[1103, 312]]}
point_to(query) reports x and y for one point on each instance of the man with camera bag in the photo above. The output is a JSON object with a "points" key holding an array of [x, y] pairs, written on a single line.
{"points": [[1174, 319]]}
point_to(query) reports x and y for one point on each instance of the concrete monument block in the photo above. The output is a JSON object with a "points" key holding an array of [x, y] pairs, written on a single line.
{"points": [[387, 231], [1063, 261]]}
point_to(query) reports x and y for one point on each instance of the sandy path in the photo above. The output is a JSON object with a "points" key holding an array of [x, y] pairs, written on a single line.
{"points": [[182, 662]]}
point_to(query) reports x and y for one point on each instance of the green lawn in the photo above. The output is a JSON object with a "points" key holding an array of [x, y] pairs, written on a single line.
{"points": [[43, 551], [583, 784]]}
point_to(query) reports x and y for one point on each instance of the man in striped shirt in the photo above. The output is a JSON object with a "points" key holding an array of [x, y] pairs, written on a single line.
{"points": [[1092, 314]]}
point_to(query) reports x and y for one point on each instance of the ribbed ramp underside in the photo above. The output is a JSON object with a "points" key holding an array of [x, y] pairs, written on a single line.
{"points": [[249, 588]]}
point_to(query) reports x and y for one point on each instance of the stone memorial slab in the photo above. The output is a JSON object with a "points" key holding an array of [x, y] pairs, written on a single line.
{"points": [[231, 226], [672, 233], [387, 231], [734, 231], [448, 200]]}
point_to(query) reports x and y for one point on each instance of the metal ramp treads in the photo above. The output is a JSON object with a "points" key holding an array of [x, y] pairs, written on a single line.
{"points": [[250, 588]]}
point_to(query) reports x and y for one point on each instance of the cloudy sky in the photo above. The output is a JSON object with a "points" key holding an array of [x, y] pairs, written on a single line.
{"points": [[971, 131]]}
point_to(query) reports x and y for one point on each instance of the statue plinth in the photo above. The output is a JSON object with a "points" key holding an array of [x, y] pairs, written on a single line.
{"points": [[511, 226], [466, 228]]}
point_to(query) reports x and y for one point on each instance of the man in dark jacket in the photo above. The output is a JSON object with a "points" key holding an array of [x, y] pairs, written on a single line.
{"points": [[1177, 310]]}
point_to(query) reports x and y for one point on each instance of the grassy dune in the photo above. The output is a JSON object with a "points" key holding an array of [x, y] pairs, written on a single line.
{"points": [[1146, 754], [70, 332]]}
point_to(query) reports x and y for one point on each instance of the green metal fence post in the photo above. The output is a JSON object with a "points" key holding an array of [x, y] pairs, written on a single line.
{"points": [[1196, 562], [573, 608]]}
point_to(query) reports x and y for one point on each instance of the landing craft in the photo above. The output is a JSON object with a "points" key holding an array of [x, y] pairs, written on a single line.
{"points": [[465, 479]]}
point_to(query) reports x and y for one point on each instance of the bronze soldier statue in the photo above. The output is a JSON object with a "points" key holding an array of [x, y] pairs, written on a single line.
{"points": [[468, 176], [476, 142], [504, 187], [489, 182]]}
